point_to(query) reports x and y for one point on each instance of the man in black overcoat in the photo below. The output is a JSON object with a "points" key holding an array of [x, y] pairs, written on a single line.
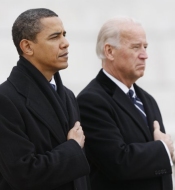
{"points": [[126, 144], [41, 139]]}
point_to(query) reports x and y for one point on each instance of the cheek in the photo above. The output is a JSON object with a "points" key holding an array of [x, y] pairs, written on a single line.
{"points": [[131, 59], [54, 50], [51, 52], [125, 57]]}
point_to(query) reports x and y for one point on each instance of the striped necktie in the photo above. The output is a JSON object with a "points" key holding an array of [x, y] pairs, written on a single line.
{"points": [[138, 104]]}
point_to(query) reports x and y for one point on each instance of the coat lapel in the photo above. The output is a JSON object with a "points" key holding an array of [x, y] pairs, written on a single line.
{"points": [[38, 104], [44, 111], [124, 103], [141, 94]]}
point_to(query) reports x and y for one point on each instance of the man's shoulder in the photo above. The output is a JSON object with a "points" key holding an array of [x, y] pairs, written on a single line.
{"points": [[92, 87], [68, 92], [5, 86]]}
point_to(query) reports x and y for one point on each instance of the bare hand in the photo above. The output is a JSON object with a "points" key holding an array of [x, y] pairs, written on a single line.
{"points": [[77, 134], [174, 157], [158, 135]]}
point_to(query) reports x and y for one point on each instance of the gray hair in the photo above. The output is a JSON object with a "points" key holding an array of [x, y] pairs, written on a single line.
{"points": [[110, 33], [28, 25]]}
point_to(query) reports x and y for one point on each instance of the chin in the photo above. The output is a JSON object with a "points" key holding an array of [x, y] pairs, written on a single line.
{"points": [[141, 72], [64, 66], [141, 75]]}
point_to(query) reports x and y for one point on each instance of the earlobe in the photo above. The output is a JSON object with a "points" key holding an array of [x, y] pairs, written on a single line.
{"points": [[26, 47], [108, 51]]}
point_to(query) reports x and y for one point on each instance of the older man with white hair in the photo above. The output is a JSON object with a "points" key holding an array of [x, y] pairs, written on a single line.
{"points": [[126, 143]]}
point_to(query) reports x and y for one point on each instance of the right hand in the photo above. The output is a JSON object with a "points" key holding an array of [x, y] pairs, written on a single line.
{"points": [[77, 134], [158, 135]]}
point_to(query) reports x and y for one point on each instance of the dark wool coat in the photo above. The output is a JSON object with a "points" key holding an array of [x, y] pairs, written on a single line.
{"points": [[34, 122], [119, 146]]}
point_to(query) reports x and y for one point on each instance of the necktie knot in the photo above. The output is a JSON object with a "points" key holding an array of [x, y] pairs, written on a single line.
{"points": [[53, 86], [131, 95]]}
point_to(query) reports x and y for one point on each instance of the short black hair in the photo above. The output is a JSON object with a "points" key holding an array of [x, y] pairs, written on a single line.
{"points": [[28, 25]]}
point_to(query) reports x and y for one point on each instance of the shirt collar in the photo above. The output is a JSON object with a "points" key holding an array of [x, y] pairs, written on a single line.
{"points": [[122, 86], [52, 81]]}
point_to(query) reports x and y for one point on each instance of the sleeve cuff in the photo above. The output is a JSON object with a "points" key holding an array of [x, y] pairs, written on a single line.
{"points": [[168, 152]]}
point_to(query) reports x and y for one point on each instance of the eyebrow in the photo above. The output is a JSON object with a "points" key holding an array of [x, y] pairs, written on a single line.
{"points": [[139, 44], [57, 34]]}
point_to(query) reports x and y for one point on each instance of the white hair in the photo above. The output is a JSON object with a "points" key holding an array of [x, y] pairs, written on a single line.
{"points": [[110, 33]]}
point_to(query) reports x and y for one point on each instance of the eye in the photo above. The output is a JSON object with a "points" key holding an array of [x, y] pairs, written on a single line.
{"points": [[135, 47], [54, 37], [64, 34]]}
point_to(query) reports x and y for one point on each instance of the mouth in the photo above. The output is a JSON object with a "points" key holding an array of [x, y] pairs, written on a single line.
{"points": [[64, 54], [141, 65]]}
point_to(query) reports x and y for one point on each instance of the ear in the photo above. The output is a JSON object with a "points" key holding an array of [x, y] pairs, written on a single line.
{"points": [[26, 47], [108, 51]]}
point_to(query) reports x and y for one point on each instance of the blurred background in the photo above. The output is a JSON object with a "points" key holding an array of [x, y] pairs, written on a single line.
{"points": [[82, 20]]}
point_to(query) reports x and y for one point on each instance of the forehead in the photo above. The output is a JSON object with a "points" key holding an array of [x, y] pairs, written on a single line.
{"points": [[133, 33], [51, 24]]}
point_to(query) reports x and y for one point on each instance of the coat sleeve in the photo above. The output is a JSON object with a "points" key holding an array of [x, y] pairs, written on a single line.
{"points": [[23, 168], [106, 147]]}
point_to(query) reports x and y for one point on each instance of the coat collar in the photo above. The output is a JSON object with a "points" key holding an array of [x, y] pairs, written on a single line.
{"points": [[40, 97], [124, 102]]}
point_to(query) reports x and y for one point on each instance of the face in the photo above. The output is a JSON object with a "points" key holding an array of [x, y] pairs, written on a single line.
{"points": [[129, 58], [50, 50]]}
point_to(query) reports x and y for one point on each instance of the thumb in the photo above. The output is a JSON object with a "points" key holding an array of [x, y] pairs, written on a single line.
{"points": [[156, 125], [77, 124]]}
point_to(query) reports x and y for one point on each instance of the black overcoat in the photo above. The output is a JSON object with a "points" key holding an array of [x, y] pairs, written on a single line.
{"points": [[34, 122], [119, 146]]}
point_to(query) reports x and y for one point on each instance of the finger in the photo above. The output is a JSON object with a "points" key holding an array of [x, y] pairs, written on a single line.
{"points": [[156, 125], [77, 124], [173, 157]]}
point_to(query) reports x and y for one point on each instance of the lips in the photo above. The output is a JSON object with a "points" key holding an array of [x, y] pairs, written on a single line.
{"points": [[64, 54], [141, 66]]}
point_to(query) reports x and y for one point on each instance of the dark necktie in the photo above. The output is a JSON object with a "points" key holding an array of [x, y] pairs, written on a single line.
{"points": [[53, 86], [138, 104]]}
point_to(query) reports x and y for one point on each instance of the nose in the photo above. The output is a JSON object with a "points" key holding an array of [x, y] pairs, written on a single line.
{"points": [[65, 43], [143, 54]]}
